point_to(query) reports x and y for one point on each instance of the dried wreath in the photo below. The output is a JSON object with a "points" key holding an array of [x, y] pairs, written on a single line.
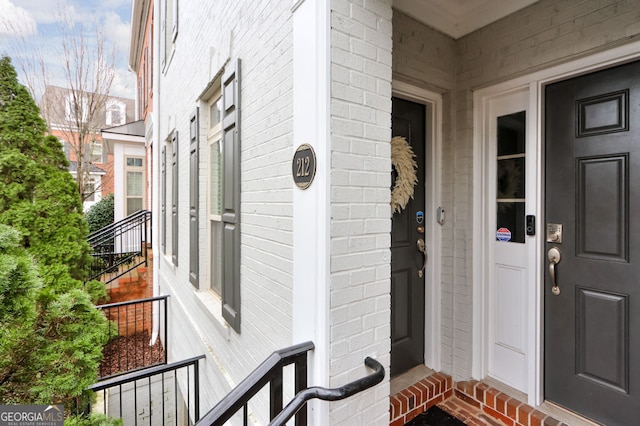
{"points": [[403, 160]]}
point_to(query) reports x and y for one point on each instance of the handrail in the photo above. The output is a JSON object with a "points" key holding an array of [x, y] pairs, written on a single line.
{"points": [[133, 302], [109, 228], [154, 404], [254, 382], [335, 394], [120, 247], [143, 374]]}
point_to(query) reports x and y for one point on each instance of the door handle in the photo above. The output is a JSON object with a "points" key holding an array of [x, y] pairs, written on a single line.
{"points": [[554, 258], [422, 248]]}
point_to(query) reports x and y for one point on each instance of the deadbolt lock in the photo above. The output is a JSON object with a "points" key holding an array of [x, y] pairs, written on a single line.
{"points": [[554, 233]]}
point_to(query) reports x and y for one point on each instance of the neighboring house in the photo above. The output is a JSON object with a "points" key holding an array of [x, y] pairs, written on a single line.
{"points": [[126, 145], [513, 253], [58, 107], [135, 139]]}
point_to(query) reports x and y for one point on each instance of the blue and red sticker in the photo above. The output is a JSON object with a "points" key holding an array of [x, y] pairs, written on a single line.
{"points": [[503, 234]]}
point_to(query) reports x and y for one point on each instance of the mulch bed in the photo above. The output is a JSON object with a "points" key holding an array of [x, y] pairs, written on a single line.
{"points": [[126, 353]]}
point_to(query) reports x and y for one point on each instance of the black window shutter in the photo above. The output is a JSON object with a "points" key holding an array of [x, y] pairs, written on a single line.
{"points": [[231, 195], [164, 199], [174, 198], [193, 199]]}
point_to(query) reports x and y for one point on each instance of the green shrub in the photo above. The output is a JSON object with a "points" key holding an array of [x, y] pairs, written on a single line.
{"points": [[51, 334], [94, 419], [100, 214]]}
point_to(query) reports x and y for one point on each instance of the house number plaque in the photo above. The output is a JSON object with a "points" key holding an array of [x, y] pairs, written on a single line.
{"points": [[303, 166]]}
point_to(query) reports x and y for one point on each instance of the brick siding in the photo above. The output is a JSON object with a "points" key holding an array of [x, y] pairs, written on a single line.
{"points": [[360, 181]]}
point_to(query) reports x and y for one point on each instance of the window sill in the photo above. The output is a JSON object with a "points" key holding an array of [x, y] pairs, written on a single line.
{"points": [[212, 306]]}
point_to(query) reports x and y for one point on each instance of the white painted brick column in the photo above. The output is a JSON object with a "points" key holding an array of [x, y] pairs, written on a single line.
{"points": [[360, 255]]}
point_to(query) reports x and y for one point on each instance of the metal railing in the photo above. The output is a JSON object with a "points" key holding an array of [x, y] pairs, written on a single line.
{"points": [[120, 247], [271, 371], [161, 395], [129, 345], [350, 389]]}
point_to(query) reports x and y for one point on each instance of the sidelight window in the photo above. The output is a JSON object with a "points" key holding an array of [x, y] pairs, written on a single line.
{"points": [[510, 178]]}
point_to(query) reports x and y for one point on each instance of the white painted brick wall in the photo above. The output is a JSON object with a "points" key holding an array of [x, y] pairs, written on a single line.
{"points": [[542, 35], [361, 223], [259, 33]]}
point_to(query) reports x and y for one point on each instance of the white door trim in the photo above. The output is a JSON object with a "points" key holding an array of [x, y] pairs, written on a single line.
{"points": [[432, 306], [536, 82]]}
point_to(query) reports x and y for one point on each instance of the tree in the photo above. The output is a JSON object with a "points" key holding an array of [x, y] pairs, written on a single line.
{"points": [[76, 113], [51, 334]]}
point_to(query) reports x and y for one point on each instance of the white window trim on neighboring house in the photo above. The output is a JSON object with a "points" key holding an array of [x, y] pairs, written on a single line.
{"points": [[120, 110], [137, 166], [95, 151], [69, 112]]}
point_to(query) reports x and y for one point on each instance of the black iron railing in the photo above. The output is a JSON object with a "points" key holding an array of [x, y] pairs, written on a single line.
{"points": [[165, 394], [271, 371], [301, 398], [129, 346], [120, 247]]}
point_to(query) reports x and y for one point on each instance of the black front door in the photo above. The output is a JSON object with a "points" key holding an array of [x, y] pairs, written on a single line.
{"points": [[408, 226], [592, 294]]}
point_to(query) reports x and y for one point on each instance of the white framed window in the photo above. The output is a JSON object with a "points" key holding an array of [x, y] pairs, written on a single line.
{"points": [[75, 108], [214, 192], [134, 184], [116, 113], [90, 190], [168, 30], [95, 151]]}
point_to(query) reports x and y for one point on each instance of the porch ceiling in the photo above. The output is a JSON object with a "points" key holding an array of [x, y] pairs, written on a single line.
{"points": [[457, 18]]}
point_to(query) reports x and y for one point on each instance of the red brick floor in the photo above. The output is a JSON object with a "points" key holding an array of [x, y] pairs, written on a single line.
{"points": [[475, 403]]}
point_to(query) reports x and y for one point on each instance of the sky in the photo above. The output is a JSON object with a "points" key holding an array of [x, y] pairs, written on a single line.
{"points": [[28, 26]]}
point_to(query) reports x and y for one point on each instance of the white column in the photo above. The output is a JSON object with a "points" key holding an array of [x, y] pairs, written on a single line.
{"points": [[311, 209]]}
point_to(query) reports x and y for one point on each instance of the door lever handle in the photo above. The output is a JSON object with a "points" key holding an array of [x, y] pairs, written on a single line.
{"points": [[422, 248], [554, 258]]}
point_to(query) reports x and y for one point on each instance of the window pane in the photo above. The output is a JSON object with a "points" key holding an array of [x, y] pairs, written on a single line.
{"points": [[511, 218], [134, 184], [511, 178], [215, 164], [90, 191], [133, 205], [215, 281], [511, 134], [214, 114], [134, 162], [96, 151]]}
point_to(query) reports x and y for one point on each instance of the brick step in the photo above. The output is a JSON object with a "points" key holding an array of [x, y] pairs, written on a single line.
{"points": [[474, 403], [477, 403]]}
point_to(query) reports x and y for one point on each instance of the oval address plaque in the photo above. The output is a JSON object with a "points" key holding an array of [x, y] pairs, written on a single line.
{"points": [[303, 166]]}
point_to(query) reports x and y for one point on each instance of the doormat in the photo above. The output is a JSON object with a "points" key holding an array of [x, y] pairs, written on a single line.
{"points": [[435, 416]]}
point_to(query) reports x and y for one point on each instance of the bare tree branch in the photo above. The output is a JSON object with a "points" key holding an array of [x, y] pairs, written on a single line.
{"points": [[77, 113]]}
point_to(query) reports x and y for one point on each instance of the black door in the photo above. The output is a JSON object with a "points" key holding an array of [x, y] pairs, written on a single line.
{"points": [[407, 286], [592, 187]]}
